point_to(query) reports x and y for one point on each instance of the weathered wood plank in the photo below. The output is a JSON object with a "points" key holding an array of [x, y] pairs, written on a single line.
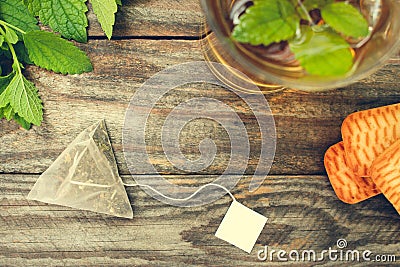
{"points": [[303, 214], [153, 18], [307, 123]]}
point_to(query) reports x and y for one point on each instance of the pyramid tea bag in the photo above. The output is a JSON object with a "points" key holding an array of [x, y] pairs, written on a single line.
{"points": [[85, 176]]}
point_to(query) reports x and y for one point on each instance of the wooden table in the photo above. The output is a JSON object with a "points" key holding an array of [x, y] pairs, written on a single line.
{"points": [[303, 211]]}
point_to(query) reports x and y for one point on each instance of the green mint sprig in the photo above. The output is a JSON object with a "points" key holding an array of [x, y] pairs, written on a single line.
{"points": [[68, 17], [23, 43], [320, 49]]}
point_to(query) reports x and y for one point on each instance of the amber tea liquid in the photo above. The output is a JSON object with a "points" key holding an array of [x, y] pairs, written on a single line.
{"points": [[275, 64]]}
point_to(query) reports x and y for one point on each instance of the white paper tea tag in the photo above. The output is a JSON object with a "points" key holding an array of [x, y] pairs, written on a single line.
{"points": [[241, 226]]}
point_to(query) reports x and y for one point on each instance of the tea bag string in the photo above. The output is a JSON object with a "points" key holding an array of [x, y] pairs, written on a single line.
{"points": [[158, 192], [186, 198]]}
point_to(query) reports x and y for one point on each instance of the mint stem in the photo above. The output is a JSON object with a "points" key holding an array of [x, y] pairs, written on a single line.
{"points": [[2, 22], [12, 50], [306, 12]]}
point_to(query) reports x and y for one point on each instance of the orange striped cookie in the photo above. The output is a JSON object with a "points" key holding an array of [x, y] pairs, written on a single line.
{"points": [[385, 172], [366, 134], [348, 187]]}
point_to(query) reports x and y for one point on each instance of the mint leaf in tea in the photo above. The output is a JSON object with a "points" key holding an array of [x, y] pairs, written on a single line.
{"points": [[266, 22], [317, 32]]}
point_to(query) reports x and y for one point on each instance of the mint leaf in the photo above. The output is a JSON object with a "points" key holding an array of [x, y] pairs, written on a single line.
{"points": [[5, 81], [346, 19], [17, 14], [4, 47], [51, 52], [23, 97], [322, 52], [65, 16], [22, 122], [1, 40], [8, 112], [266, 22], [105, 12], [22, 53], [314, 4], [11, 36], [119, 2], [33, 6]]}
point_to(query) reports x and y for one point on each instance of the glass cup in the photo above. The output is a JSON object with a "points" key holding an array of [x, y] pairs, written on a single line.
{"points": [[371, 53]]}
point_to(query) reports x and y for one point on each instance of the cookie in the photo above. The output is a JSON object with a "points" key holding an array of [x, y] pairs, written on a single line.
{"points": [[366, 134], [385, 172], [348, 186]]}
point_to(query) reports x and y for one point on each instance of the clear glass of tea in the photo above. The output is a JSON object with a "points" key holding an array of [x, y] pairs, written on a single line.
{"points": [[274, 67]]}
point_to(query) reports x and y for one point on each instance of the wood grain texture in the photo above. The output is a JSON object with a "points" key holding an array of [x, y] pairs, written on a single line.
{"points": [[149, 36], [153, 18], [303, 214], [306, 124]]}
